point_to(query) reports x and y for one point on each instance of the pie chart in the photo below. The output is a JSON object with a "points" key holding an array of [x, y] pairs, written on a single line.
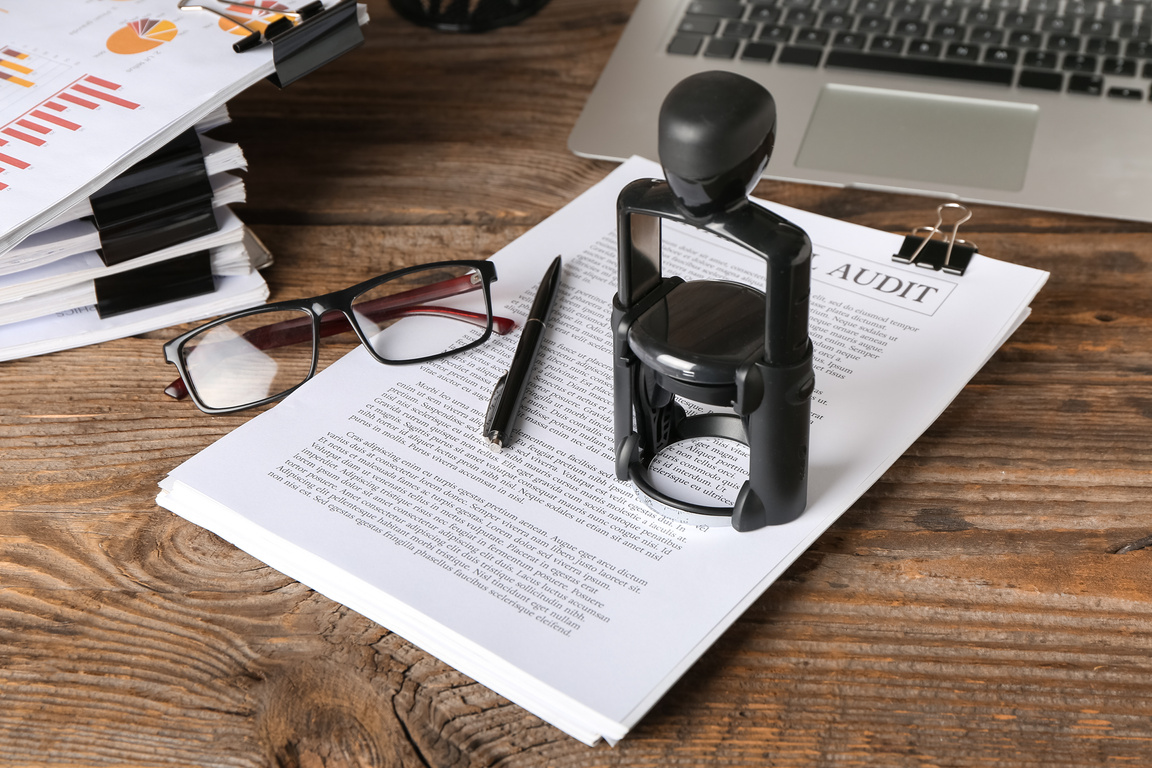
{"points": [[141, 35]]}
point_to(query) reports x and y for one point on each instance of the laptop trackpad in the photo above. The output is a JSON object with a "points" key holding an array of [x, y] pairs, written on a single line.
{"points": [[920, 137]]}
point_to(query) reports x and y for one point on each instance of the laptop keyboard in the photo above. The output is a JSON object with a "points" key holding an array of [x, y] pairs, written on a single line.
{"points": [[1081, 46]]}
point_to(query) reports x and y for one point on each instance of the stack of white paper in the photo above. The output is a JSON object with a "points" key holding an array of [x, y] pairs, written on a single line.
{"points": [[86, 91], [536, 571]]}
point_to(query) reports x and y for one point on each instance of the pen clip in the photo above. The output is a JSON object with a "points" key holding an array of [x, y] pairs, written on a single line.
{"points": [[490, 416]]}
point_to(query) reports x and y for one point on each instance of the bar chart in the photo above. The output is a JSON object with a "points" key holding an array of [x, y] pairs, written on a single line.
{"points": [[65, 111]]}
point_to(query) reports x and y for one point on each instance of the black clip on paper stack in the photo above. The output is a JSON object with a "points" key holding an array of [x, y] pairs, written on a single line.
{"points": [[154, 284], [714, 342], [948, 254], [161, 201], [302, 40]]}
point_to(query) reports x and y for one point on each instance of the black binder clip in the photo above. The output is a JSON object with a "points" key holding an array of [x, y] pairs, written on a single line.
{"points": [[947, 254], [163, 200], [150, 286], [302, 40]]}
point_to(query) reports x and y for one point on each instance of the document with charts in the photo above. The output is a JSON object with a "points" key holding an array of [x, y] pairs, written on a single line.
{"points": [[535, 571], [87, 88]]}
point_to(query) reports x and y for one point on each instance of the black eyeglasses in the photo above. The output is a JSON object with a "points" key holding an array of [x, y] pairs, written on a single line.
{"points": [[259, 355]]}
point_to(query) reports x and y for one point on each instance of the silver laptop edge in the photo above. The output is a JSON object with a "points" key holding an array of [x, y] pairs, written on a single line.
{"points": [[1062, 152]]}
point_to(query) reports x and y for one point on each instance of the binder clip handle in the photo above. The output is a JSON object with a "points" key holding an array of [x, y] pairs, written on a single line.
{"points": [[302, 40], [950, 253]]}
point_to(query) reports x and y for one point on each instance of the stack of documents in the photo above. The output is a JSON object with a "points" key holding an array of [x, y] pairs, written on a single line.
{"points": [[535, 571], [114, 215]]}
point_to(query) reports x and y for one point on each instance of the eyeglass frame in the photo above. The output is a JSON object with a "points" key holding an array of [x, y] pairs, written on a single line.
{"points": [[317, 307]]}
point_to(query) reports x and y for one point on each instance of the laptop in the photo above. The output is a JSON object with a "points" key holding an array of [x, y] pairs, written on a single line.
{"points": [[1041, 104]]}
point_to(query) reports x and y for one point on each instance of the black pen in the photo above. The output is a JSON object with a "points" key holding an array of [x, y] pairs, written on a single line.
{"points": [[504, 406]]}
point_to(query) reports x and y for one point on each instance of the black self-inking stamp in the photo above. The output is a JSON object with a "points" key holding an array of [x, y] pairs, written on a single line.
{"points": [[717, 343]]}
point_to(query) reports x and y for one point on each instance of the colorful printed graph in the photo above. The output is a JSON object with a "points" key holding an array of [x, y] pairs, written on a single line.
{"points": [[12, 70], [141, 35], [268, 12], [65, 111]]}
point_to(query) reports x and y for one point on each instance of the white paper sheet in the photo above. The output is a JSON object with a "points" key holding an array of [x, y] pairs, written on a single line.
{"points": [[536, 572]]}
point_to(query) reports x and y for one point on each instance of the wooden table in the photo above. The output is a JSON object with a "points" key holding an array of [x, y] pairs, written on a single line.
{"points": [[989, 601]]}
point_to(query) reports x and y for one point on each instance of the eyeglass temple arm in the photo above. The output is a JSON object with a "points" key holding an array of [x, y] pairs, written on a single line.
{"points": [[299, 330]]}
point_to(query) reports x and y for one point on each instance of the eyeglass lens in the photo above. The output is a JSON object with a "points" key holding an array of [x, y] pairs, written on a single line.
{"points": [[266, 353], [250, 358], [443, 309]]}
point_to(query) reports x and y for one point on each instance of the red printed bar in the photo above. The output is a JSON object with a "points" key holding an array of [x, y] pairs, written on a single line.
{"points": [[77, 101], [55, 106], [55, 120], [105, 97], [12, 161], [33, 126], [102, 83], [24, 137]]}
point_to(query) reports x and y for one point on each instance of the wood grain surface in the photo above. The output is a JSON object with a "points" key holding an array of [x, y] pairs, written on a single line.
{"points": [[988, 602]]}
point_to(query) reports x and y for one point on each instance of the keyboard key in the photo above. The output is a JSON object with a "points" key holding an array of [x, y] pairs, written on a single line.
{"points": [[721, 48], [1064, 25], [801, 54], [872, 7], [1120, 92], [999, 55], [1048, 81], [989, 35], [1024, 39], [1118, 11], [849, 40], [800, 17], [1066, 43], [685, 45], [1043, 6], [910, 28], [948, 31], [941, 12], [739, 30], [875, 25], [929, 48], [776, 33], [1093, 85], [835, 20], [1102, 46], [1020, 20], [809, 36], [699, 25], [1147, 70], [983, 17], [1119, 67], [835, 6], [908, 9], [1079, 62], [1097, 28], [758, 52], [962, 51], [1134, 31], [727, 9], [888, 44], [1040, 59], [954, 70], [764, 13], [1080, 8], [1139, 49]]}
